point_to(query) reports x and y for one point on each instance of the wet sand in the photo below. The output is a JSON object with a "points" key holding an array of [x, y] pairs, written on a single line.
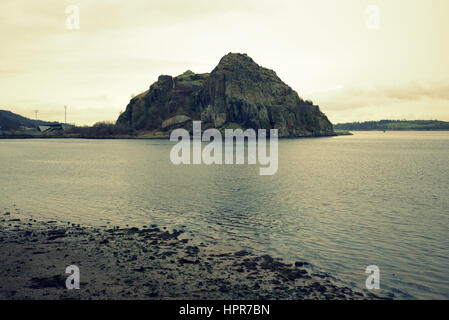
{"points": [[147, 263]]}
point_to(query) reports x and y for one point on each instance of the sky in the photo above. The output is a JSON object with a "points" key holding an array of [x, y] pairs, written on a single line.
{"points": [[358, 60]]}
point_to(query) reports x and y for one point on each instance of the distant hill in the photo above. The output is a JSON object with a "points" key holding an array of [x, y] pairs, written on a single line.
{"points": [[13, 121], [393, 125]]}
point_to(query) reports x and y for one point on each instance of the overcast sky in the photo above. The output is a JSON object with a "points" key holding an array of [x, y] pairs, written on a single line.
{"points": [[330, 51]]}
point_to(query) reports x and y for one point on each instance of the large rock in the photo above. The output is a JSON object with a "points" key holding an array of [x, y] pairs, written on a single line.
{"points": [[237, 91], [175, 121]]}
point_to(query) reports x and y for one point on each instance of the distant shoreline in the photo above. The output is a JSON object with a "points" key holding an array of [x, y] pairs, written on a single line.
{"points": [[411, 130], [167, 137], [394, 125], [137, 137]]}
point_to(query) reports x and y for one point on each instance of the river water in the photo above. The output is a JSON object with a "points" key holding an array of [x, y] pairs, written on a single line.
{"points": [[340, 203]]}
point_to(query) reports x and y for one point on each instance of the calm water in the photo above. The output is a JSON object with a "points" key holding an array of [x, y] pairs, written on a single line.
{"points": [[340, 203]]}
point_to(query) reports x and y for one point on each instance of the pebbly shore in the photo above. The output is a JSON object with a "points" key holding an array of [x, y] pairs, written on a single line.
{"points": [[145, 263]]}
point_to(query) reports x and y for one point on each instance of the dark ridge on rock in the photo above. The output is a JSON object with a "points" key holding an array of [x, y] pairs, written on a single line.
{"points": [[12, 121], [237, 93]]}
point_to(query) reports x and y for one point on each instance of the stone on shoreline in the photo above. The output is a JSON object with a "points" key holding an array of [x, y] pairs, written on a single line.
{"points": [[147, 263]]}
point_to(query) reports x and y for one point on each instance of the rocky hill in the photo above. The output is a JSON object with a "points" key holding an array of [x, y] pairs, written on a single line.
{"points": [[237, 93]]}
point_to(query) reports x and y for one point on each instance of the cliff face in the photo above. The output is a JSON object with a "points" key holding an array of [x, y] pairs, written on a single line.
{"points": [[238, 92], [166, 102]]}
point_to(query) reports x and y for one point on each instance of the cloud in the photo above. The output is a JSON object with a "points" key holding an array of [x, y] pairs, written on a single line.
{"points": [[92, 98], [46, 17], [9, 72], [438, 91], [355, 98]]}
